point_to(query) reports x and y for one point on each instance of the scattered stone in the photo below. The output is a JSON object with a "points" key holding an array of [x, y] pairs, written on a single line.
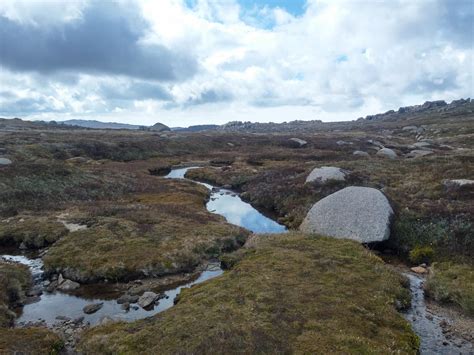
{"points": [[410, 128], [92, 308], [458, 184], [125, 306], [227, 187], [78, 320], [419, 270], [387, 153], [419, 153], [147, 299], [326, 173], [128, 299], [5, 161], [376, 143], [77, 160], [359, 213], [343, 143], [63, 318], [68, 285], [360, 153], [423, 144], [299, 142]]}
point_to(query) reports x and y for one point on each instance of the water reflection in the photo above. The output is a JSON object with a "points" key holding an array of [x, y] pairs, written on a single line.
{"points": [[228, 204]]}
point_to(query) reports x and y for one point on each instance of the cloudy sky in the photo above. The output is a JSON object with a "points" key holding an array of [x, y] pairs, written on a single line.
{"points": [[184, 62]]}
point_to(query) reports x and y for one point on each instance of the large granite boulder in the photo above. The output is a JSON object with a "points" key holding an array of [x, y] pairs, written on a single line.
{"points": [[326, 173], [358, 213], [297, 142]]}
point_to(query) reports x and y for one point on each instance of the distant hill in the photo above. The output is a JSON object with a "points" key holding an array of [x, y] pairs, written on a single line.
{"points": [[100, 125]]}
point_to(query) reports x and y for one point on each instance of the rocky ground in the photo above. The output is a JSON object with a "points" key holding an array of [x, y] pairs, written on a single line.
{"points": [[135, 225]]}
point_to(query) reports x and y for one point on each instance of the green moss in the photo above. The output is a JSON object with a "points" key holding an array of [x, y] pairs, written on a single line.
{"points": [[291, 294], [453, 284], [31, 341]]}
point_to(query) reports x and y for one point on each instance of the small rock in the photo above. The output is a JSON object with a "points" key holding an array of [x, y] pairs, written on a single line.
{"points": [[423, 144], [63, 318], [5, 161], [147, 299], [61, 279], [419, 153], [419, 270], [128, 299], [68, 285], [23, 246], [125, 306], [78, 320], [298, 142], [92, 308], [360, 153]]}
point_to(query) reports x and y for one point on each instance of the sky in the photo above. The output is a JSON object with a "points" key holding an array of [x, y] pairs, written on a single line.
{"points": [[187, 62]]}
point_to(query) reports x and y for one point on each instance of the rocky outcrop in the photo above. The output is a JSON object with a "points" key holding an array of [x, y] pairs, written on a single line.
{"points": [[159, 127], [427, 107], [326, 173], [358, 213]]}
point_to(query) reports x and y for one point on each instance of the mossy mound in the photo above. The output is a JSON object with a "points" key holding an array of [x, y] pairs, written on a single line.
{"points": [[291, 293], [147, 235], [31, 231], [452, 283], [29, 341], [15, 280]]}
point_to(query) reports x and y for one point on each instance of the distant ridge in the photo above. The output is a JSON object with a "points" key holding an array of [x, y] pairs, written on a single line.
{"points": [[100, 125]]}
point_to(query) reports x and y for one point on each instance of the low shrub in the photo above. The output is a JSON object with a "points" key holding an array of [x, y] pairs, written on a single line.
{"points": [[421, 254]]}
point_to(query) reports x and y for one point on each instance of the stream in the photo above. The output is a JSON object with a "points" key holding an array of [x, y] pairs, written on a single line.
{"points": [[56, 304]]}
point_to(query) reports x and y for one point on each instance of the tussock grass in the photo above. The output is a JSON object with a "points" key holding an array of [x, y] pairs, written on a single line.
{"points": [[290, 294], [452, 283]]}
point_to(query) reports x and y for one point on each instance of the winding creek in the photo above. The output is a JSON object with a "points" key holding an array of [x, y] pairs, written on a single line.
{"points": [[228, 204], [56, 304]]}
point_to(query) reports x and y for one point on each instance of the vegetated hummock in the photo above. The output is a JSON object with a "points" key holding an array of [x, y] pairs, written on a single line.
{"points": [[289, 293], [15, 280], [164, 231], [141, 226]]}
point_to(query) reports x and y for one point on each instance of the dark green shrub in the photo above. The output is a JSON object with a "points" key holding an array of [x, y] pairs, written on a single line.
{"points": [[421, 254]]}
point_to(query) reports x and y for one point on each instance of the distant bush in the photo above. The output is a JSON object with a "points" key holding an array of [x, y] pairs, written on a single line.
{"points": [[423, 254]]}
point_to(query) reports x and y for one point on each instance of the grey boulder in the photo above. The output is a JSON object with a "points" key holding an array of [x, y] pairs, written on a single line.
{"points": [[360, 153], [387, 153], [358, 213], [326, 173], [298, 142], [5, 161], [419, 153]]}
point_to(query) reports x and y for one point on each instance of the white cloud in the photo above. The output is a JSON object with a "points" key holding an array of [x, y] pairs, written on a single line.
{"points": [[337, 61]]}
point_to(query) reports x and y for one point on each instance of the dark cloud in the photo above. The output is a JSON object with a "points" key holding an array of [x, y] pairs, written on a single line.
{"points": [[25, 106], [210, 96], [135, 91], [457, 21], [105, 40]]}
